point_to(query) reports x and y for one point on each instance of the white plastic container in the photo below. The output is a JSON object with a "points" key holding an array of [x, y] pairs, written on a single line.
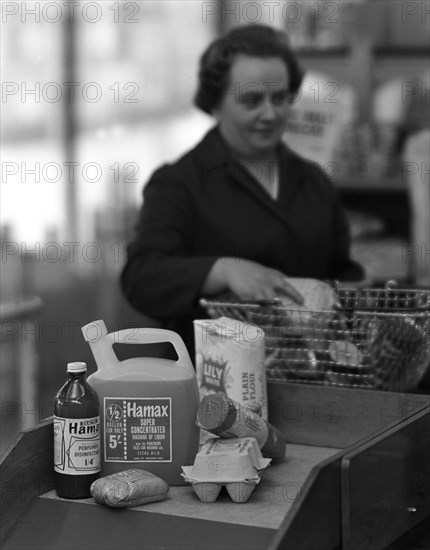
{"points": [[148, 404]]}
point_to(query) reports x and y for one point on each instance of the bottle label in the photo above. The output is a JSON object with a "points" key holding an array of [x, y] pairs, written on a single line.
{"points": [[77, 445], [138, 429]]}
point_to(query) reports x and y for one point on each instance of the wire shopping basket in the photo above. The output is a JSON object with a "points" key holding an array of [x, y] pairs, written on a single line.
{"points": [[373, 338]]}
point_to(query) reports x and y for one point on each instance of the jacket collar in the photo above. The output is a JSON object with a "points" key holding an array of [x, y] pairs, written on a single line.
{"points": [[213, 152]]}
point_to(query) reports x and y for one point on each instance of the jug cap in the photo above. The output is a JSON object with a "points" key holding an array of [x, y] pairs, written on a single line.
{"points": [[76, 366]]}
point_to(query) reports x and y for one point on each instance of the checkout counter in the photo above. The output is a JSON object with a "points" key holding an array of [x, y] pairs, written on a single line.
{"points": [[356, 476]]}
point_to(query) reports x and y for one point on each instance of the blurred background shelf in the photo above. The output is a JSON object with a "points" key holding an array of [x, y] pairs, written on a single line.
{"points": [[401, 51], [329, 51]]}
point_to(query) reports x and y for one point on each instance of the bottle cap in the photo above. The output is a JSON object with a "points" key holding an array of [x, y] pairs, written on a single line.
{"points": [[77, 366]]}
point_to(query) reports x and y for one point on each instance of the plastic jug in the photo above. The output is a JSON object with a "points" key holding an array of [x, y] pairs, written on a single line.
{"points": [[148, 405]]}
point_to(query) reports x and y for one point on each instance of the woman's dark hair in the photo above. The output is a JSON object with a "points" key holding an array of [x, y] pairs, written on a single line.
{"points": [[252, 40]]}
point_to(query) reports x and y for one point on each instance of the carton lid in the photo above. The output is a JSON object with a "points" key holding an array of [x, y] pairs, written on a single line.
{"points": [[221, 460]]}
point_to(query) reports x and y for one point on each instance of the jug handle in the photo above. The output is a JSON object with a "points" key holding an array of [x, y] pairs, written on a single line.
{"points": [[153, 336]]}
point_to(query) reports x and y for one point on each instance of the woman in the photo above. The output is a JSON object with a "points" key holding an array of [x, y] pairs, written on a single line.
{"points": [[240, 212]]}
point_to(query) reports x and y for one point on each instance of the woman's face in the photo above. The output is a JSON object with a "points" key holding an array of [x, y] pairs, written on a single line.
{"points": [[254, 108]]}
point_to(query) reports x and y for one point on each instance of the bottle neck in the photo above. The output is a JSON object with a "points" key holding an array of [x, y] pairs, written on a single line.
{"points": [[76, 375]]}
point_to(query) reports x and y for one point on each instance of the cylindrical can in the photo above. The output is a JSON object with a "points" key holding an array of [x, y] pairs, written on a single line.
{"points": [[221, 416]]}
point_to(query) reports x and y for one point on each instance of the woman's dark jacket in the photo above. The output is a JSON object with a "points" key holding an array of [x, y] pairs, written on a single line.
{"points": [[207, 206]]}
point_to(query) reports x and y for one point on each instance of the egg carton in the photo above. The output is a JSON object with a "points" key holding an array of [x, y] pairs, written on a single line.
{"points": [[230, 463]]}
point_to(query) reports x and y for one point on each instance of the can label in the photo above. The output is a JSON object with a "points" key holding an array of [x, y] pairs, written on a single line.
{"points": [[138, 429], [248, 424], [77, 445]]}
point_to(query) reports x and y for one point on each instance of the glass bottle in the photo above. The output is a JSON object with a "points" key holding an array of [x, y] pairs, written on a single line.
{"points": [[76, 435]]}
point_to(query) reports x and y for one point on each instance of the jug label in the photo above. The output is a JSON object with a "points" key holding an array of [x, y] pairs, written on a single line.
{"points": [[77, 445], [138, 429]]}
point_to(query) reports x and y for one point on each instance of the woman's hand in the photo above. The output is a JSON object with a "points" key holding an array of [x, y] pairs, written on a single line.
{"points": [[249, 281]]}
